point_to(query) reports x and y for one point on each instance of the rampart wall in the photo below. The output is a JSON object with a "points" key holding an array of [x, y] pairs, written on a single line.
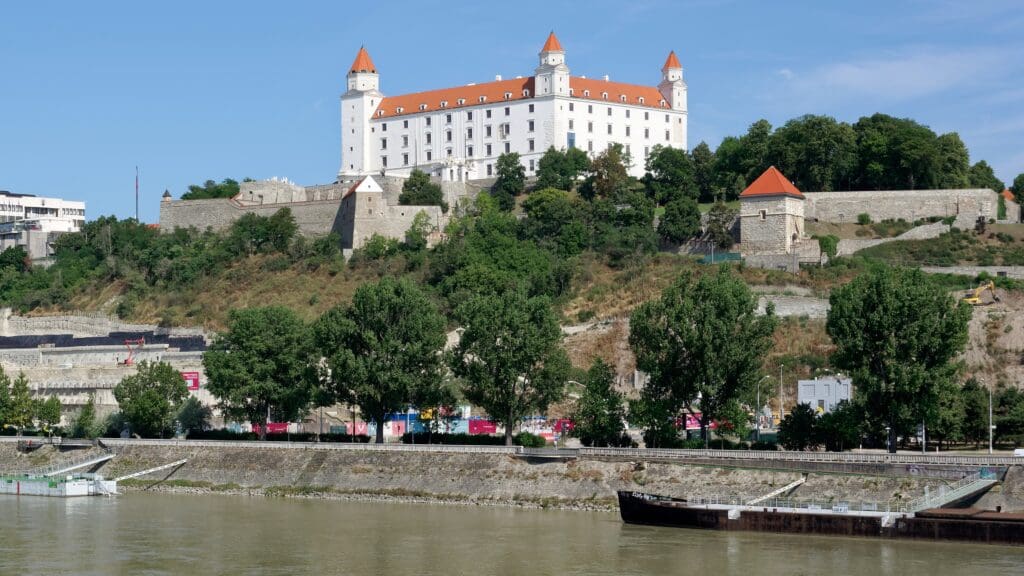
{"points": [[910, 205]]}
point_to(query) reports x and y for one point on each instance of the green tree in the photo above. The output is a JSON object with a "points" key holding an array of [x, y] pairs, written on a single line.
{"points": [[227, 188], [720, 221], [704, 172], [670, 175], [680, 222], [895, 154], [840, 429], [798, 430], [954, 162], [85, 424], [253, 233], [21, 407], [974, 400], [556, 220], [608, 175], [1018, 189], [149, 399], [418, 190], [5, 398], [416, 235], [948, 423], [511, 180], [262, 365], [599, 414], [48, 412], [383, 351], [193, 416], [897, 334], [701, 340], [510, 356], [559, 170], [815, 152], [981, 175], [15, 258]]}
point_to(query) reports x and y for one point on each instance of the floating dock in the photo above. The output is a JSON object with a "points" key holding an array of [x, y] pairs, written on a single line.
{"points": [[67, 486]]}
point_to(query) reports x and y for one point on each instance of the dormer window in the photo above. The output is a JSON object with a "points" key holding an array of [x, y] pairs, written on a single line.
{"points": [[640, 99], [526, 93], [571, 92], [399, 110], [586, 93], [380, 112], [444, 103], [604, 95], [662, 103], [461, 101], [423, 107], [622, 98], [482, 99], [508, 95]]}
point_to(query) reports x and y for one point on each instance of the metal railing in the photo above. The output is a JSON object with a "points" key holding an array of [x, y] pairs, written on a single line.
{"points": [[802, 505], [959, 489]]}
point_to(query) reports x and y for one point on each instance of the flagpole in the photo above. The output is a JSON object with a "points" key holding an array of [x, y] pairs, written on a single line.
{"points": [[136, 193]]}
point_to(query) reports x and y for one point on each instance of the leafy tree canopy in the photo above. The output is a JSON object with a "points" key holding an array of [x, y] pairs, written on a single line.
{"points": [[418, 190], [226, 188], [599, 414], [149, 399], [680, 222]]}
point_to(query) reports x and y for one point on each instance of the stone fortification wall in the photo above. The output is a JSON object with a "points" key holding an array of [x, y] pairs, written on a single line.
{"points": [[312, 218], [1016, 272], [79, 325], [768, 224], [910, 205], [1012, 213], [255, 192], [848, 246]]}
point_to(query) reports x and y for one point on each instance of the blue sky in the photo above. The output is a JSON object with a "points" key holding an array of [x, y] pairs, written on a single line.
{"points": [[190, 91]]}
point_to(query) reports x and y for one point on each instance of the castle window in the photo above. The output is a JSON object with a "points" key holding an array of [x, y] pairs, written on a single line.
{"points": [[531, 147], [508, 95], [488, 149], [429, 156], [384, 161], [490, 169], [609, 129], [586, 94], [469, 133], [647, 152], [383, 143], [667, 136], [461, 101], [570, 107], [447, 135], [529, 125], [428, 137], [469, 115], [405, 159], [570, 123], [405, 123], [428, 120], [448, 118], [508, 111], [627, 112], [590, 127], [482, 99], [448, 151], [571, 93], [647, 132], [666, 118], [604, 95], [641, 100], [532, 165], [763, 214], [444, 103], [622, 98], [469, 152], [590, 145], [526, 93], [487, 131], [647, 116], [508, 147], [423, 107], [609, 110], [661, 103], [405, 141], [487, 113], [627, 131], [380, 112], [531, 108]]}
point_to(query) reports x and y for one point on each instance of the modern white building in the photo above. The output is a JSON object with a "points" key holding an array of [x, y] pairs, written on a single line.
{"points": [[34, 222], [458, 133]]}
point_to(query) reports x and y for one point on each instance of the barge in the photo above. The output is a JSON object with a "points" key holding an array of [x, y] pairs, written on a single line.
{"points": [[961, 524]]}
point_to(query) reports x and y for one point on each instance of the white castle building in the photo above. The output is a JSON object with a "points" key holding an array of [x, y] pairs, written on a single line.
{"points": [[458, 133]]}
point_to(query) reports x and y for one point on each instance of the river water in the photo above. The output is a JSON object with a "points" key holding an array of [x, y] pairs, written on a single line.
{"points": [[181, 534]]}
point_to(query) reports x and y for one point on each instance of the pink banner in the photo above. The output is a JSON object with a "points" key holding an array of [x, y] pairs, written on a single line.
{"points": [[272, 428], [479, 426], [191, 380]]}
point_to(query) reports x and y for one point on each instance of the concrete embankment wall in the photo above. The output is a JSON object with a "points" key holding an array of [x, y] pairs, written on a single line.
{"points": [[484, 478]]}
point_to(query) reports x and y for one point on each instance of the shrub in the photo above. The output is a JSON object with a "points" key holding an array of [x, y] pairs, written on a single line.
{"points": [[527, 440], [829, 244], [863, 218], [763, 445]]}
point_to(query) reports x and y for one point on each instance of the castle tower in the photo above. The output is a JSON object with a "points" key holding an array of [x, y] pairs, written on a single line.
{"points": [[771, 215], [358, 104], [552, 75], [672, 86]]}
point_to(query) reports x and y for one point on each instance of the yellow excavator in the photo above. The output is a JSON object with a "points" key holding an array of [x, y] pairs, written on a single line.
{"points": [[973, 296]]}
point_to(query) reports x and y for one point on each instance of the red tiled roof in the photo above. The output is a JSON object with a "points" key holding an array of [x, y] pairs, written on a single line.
{"points": [[1008, 195], [671, 62], [362, 63], [771, 183], [552, 45], [517, 89], [354, 186]]}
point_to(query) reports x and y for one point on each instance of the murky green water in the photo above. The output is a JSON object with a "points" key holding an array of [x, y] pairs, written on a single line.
{"points": [[179, 534]]}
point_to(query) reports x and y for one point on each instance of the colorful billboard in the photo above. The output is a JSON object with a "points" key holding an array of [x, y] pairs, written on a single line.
{"points": [[191, 380]]}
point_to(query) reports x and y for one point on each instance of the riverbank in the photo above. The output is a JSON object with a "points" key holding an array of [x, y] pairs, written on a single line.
{"points": [[471, 478]]}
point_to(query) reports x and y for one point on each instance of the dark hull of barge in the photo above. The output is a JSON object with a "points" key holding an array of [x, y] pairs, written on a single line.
{"points": [[963, 525]]}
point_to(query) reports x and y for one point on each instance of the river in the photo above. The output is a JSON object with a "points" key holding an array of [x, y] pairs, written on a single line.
{"points": [[211, 534]]}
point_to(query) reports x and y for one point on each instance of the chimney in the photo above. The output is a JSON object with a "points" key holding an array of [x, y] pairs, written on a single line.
{"points": [[497, 77], [605, 77]]}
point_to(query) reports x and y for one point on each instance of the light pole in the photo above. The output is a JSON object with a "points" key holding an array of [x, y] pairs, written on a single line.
{"points": [[991, 428], [757, 409], [782, 410]]}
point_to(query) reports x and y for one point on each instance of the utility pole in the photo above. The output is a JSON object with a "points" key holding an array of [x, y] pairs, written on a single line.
{"points": [[136, 193], [991, 428], [781, 403]]}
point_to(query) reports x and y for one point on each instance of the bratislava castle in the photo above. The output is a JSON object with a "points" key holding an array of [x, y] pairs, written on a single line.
{"points": [[458, 133]]}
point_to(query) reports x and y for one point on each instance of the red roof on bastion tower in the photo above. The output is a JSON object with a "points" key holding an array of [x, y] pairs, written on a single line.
{"points": [[771, 183], [362, 63]]}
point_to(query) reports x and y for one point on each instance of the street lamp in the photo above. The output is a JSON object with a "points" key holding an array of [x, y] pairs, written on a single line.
{"points": [[757, 409], [991, 428], [782, 410]]}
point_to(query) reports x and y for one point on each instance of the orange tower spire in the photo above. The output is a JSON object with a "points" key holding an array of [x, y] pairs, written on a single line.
{"points": [[552, 45], [362, 63], [671, 62]]}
